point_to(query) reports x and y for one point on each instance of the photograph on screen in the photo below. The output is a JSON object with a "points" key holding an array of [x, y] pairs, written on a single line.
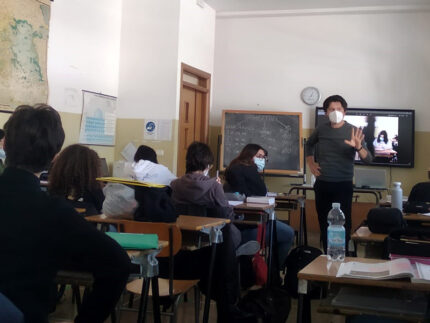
{"points": [[388, 133], [380, 134]]}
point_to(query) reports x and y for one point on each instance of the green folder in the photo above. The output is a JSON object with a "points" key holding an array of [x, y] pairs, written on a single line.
{"points": [[135, 241]]}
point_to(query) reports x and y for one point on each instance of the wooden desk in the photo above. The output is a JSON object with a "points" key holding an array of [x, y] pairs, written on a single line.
{"points": [[198, 223], [363, 234], [105, 221], [322, 270], [416, 217], [211, 227], [373, 242]]}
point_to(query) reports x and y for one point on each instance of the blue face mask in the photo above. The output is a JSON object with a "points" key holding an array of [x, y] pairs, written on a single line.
{"points": [[2, 153], [260, 162]]}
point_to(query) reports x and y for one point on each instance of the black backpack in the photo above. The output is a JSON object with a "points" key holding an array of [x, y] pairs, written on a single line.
{"points": [[267, 304], [385, 220], [299, 258]]}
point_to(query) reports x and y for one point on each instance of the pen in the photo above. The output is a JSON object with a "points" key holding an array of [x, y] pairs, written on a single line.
{"points": [[217, 173]]}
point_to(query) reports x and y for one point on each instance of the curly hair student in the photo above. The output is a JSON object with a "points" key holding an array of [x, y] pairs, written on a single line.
{"points": [[73, 176]]}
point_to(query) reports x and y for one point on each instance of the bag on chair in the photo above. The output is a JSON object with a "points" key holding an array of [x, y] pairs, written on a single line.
{"points": [[385, 220], [258, 263]]}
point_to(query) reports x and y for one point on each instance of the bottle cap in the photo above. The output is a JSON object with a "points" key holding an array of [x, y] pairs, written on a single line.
{"points": [[335, 205], [397, 183]]}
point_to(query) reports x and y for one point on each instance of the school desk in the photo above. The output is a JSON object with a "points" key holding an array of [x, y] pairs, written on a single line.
{"points": [[146, 259], [323, 270], [212, 227], [373, 242]]}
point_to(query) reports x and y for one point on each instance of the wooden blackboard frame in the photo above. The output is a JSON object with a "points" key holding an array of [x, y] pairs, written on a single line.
{"points": [[266, 171]]}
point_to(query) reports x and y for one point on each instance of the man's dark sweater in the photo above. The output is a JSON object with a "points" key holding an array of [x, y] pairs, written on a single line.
{"points": [[335, 157]]}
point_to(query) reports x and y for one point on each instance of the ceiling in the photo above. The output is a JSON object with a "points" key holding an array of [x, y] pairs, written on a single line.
{"points": [[260, 5]]}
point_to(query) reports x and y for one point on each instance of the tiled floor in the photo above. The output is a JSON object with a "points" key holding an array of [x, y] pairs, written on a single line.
{"points": [[66, 310]]}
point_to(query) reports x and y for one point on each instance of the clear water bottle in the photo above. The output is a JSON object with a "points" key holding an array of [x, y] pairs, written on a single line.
{"points": [[397, 196], [336, 234]]}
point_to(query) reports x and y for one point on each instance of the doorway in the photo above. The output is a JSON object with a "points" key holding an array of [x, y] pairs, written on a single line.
{"points": [[193, 111]]}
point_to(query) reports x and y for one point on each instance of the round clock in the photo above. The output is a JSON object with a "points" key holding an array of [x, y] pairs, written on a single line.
{"points": [[310, 95]]}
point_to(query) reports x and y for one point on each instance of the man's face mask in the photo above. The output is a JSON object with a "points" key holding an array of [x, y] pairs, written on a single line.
{"points": [[335, 116], [260, 162]]}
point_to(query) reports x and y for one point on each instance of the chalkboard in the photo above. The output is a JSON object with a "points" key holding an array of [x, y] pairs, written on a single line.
{"points": [[280, 133]]}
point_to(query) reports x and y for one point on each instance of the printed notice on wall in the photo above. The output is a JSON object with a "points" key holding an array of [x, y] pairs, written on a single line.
{"points": [[157, 130], [98, 119]]}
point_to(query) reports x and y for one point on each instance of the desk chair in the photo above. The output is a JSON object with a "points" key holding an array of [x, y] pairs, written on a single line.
{"points": [[171, 288]]}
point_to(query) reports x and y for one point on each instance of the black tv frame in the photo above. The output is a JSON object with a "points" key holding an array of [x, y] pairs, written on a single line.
{"points": [[412, 164]]}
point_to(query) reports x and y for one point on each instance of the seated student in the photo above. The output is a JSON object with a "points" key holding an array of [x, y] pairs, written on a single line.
{"points": [[73, 176], [197, 188], [242, 176], [41, 234], [147, 168]]}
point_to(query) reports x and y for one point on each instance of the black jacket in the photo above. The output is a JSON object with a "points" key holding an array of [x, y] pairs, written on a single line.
{"points": [[40, 235], [245, 180]]}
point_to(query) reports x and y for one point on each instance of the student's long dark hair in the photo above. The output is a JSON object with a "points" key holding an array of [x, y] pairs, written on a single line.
{"points": [[384, 133], [246, 156], [145, 153], [74, 171]]}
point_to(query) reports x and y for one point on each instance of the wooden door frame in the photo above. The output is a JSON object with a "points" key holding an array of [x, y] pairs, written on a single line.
{"points": [[204, 87]]}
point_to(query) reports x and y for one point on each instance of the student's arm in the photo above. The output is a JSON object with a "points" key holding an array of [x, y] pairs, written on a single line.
{"points": [[310, 153], [236, 180]]}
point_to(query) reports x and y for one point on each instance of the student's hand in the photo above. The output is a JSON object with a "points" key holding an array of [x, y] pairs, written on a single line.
{"points": [[356, 139], [218, 179], [315, 168]]}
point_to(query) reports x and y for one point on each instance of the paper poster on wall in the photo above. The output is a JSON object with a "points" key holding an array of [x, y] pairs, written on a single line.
{"points": [[157, 129], [98, 119]]}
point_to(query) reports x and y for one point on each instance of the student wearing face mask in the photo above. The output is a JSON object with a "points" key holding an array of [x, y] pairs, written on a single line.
{"points": [[243, 176], [243, 173], [330, 152]]}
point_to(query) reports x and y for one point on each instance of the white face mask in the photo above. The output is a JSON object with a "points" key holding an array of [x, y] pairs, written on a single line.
{"points": [[335, 116], [206, 172]]}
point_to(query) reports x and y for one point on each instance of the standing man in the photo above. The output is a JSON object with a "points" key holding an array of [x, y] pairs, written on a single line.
{"points": [[332, 162]]}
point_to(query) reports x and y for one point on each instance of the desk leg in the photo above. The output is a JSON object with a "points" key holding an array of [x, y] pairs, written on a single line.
{"points": [[303, 236], [304, 303], [143, 301], [155, 300], [208, 293], [215, 237], [270, 259]]}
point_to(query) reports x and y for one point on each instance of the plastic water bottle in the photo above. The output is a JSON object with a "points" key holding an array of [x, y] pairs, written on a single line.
{"points": [[397, 196], [336, 234]]}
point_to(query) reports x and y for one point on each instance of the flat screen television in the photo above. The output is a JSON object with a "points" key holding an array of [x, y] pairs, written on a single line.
{"points": [[389, 134]]}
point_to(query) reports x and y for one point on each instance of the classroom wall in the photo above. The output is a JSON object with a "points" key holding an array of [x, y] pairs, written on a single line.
{"points": [[83, 54], [375, 60], [156, 38]]}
